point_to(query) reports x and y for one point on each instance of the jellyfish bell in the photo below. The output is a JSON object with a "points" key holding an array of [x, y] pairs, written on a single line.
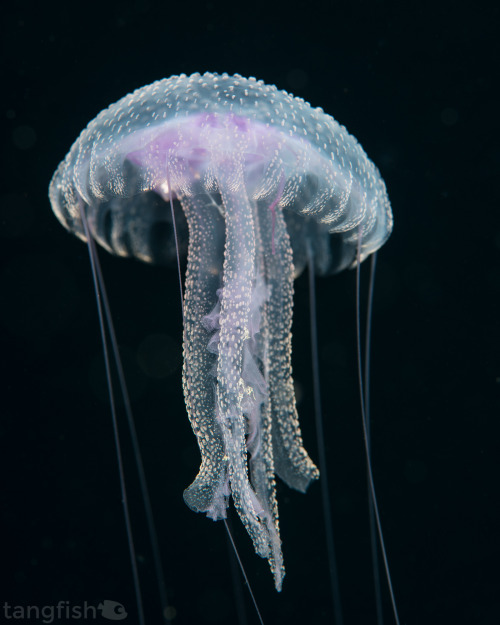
{"points": [[266, 184], [184, 127]]}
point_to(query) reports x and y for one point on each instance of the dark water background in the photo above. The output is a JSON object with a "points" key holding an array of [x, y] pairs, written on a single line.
{"points": [[416, 84]]}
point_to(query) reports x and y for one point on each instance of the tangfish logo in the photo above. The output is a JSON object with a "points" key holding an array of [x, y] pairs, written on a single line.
{"points": [[112, 610]]}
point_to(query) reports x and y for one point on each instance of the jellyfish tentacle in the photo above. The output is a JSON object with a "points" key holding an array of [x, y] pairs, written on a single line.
{"points": [[208, 493], [261, 462], [235, 381], [291, 461]]}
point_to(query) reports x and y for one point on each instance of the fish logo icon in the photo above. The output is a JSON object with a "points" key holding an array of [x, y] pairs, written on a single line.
{"points": [[112, 610]]}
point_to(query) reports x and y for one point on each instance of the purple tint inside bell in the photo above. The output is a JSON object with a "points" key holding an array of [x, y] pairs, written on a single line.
{"points": [[187, 149]]}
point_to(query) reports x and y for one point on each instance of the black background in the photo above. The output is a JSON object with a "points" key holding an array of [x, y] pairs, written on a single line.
{"points": [[416, 84]]}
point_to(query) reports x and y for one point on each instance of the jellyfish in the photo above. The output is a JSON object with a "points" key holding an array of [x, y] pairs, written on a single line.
{"points": [[264, 184]]}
